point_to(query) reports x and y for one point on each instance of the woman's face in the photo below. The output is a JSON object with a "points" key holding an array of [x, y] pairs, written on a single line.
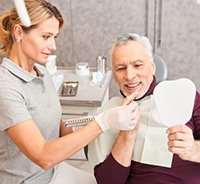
{"points": [[39, 43]]}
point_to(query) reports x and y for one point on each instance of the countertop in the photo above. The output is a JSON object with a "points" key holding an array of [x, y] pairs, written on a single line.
{"points": [[87, 94]]}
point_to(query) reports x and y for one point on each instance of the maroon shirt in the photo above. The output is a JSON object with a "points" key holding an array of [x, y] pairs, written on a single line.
{"points": [[181, 172]]}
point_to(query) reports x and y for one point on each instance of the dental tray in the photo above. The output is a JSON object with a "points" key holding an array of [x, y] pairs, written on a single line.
{"points": [[69, 88]]}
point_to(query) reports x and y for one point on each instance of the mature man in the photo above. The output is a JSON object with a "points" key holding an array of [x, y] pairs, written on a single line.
{"points": [[151, 153]]}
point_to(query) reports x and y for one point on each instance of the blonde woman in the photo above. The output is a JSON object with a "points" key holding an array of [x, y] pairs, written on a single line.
{"points": [[33, 140]]}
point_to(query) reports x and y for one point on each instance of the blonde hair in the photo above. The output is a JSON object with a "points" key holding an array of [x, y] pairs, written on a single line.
{"points": [[38, 10]]}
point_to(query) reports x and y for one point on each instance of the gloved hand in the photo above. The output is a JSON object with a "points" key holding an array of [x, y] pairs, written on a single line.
{"points": [[121, 118]]}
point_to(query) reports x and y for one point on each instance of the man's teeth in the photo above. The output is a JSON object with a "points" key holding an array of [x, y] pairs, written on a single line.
{"points": [[133, 85]]}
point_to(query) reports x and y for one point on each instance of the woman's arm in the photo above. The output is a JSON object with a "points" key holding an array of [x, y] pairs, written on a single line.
{"points": [[31, 142], [65, 130]]}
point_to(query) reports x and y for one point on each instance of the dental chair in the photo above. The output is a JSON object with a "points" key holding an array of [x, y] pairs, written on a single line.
{"points": [[161, 69]]}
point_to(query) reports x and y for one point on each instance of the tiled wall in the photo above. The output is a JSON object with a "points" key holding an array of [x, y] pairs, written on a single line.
{"points": [[92, 24]]}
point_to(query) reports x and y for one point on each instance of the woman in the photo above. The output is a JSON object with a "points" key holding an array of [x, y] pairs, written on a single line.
{"points": [[33, 140]]}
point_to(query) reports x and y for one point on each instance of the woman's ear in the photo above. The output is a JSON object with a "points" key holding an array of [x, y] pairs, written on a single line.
{"points": [[17, 32]]}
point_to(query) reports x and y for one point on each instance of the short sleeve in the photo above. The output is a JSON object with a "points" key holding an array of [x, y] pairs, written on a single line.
{"points": [[13, 109]]}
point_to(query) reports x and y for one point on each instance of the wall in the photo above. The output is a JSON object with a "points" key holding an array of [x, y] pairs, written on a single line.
{"points": [[92, 24], [181, 39]]}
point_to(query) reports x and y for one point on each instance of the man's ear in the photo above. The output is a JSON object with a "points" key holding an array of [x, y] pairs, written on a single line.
{"points": [[153, 68], [113, 74], [17, 32]]}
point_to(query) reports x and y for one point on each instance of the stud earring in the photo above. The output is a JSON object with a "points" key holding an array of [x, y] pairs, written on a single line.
{"points": [[18, 40]]}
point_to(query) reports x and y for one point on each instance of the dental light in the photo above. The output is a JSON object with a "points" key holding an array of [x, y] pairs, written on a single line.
{"points": [[22, 12]]}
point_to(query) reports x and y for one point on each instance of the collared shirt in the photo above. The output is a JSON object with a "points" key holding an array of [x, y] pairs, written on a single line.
{"points": [[24, 96]]}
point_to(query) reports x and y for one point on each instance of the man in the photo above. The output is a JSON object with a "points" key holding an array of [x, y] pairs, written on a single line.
{"points": [[129, 157]]}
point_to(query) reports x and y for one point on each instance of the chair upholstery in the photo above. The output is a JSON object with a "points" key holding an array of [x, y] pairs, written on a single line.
{"points": [[161, 69]]}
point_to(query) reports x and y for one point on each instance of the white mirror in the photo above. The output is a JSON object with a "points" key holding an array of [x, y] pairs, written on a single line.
{"points": [[175, 100]]}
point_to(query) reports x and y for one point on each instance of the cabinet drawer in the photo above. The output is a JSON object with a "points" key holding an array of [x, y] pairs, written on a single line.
{"points": [[75, 111]]}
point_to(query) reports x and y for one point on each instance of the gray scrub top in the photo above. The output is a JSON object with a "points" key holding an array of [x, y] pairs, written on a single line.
{"points": [[24, 96]]}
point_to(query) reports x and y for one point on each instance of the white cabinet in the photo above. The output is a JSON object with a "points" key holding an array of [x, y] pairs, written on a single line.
{"points": [[87, 101]]}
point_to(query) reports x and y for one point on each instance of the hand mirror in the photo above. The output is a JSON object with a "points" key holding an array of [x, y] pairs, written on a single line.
{"points": [[174, 100]]}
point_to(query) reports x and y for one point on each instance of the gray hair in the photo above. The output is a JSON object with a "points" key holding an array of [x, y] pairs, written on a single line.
{"points": [[122, 40]]}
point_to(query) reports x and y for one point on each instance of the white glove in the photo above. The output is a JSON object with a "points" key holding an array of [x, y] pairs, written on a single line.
{"points": [[121, 118]]}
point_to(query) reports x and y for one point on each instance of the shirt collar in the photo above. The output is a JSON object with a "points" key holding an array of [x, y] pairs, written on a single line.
{"points": [[149, 92], [20, 72]]}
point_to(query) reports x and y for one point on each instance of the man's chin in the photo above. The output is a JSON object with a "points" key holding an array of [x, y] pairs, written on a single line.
{"points": [[128, 93], [139, 95]]}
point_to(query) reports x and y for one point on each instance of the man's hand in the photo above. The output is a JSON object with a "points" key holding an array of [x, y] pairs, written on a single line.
{"points": [[182, 143]]}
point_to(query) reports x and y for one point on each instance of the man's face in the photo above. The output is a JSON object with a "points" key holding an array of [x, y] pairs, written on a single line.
{"points": [[132, 68]]}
